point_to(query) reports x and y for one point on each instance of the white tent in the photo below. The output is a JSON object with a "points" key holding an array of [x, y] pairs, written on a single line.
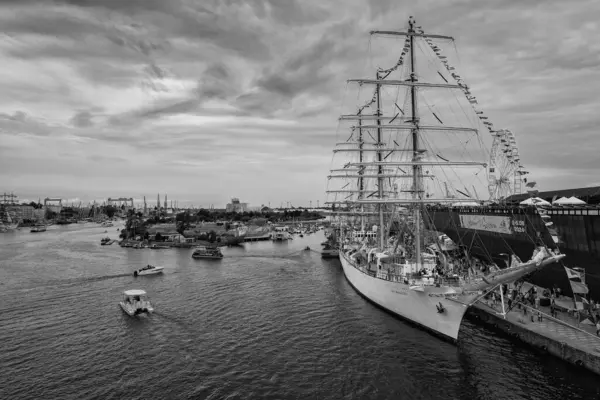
{"points": [[568, 201], [466, 204], [575, 200], [562, 200], [534, 201]]}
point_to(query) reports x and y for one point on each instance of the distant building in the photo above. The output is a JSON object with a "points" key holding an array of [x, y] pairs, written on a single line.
{"points": [[18, 212], [236, 206]]}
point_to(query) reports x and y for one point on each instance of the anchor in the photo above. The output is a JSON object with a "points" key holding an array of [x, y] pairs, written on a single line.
{"points": [[440, 308]]}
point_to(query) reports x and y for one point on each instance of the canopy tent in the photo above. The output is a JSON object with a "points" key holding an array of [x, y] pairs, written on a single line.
{"points": [[466, 204], [568, 201], [575, 200], [562, 200], [534, 201]]}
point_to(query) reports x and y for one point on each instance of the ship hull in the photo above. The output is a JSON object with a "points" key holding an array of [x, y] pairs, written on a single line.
{"points": [[400, 300], [577, 232]]}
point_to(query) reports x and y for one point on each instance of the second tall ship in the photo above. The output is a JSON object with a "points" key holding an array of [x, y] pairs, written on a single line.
{"points": [[393, 163]]}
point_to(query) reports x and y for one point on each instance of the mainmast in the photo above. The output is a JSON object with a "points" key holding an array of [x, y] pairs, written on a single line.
{"points": [[361, 183], [417, 178], [380, 166]]}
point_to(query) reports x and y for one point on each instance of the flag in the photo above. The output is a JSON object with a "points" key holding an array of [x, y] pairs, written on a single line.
{"points": [[581, 303], [579, 288], [531, 184], [572, 274]]}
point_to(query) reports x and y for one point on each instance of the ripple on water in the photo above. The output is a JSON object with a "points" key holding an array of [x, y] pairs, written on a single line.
{"points": [[243, 327]]}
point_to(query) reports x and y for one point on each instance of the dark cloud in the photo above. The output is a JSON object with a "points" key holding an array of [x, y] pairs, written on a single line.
{"points": [[216, 82], [310, 69], [82, 119], [292, 12], [18, 116], [19, 123]]}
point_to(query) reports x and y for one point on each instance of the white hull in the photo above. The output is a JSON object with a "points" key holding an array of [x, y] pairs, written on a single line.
{"points": [[414, 305], [131, 310], [153, 271]]}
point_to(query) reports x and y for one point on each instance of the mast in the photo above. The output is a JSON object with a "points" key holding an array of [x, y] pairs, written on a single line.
{"points": [[415, 142], [361, 184], [380, 166]]}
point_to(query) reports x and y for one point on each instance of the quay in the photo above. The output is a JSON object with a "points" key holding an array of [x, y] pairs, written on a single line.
{"points": [[257, 238], [562, 336]]}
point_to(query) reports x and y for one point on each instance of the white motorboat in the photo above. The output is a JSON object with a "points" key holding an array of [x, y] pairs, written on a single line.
{"points": [[148, 270], [136, 302]]}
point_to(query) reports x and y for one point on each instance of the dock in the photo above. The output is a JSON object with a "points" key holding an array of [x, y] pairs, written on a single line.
{"points": [[563, 337], [257, 238]]}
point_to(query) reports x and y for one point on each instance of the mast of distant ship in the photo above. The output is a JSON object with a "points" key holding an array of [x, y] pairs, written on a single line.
{"points": [[415, 142]]}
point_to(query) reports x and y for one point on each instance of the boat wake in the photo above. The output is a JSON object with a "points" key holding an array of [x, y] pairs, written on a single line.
{"points": [[289, 255], [72, 281], [182, 324]]}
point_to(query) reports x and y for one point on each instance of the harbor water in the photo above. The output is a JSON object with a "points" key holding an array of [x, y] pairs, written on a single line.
{"points": [[269, 321]]}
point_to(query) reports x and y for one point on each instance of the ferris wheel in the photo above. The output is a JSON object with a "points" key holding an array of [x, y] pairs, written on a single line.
{"points": [[505, 170]]}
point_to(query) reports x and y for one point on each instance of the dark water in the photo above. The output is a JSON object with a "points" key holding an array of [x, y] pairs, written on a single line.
{"points": [[239, 328]]}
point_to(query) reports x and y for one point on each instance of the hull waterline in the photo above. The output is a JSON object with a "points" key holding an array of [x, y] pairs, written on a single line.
{"points": [[419, 307]]}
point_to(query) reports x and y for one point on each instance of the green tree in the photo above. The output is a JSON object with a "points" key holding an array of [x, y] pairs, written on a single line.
{"points": [[110, 211], [212, 236], [180, 227]]}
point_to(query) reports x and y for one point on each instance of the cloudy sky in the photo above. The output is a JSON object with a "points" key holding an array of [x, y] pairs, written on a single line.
{"points": [[209, 99]]}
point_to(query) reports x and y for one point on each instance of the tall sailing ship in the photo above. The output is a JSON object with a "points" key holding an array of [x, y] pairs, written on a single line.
{"points": [[392, 167], [7, 223]]}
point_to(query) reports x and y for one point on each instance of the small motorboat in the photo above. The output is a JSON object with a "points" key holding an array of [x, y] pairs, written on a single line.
{"points": [[148, 270], [105, 241], [38, 228], [136, 302]]}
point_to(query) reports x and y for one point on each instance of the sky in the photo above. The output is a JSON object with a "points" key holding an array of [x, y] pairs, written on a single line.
{"points": [[212, 99]]}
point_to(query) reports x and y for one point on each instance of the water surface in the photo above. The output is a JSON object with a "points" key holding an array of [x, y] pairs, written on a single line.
{"points": [[269, 321]]}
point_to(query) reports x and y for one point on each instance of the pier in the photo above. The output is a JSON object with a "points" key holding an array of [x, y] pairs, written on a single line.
{"points": [[562, 336], [256, 238]]}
